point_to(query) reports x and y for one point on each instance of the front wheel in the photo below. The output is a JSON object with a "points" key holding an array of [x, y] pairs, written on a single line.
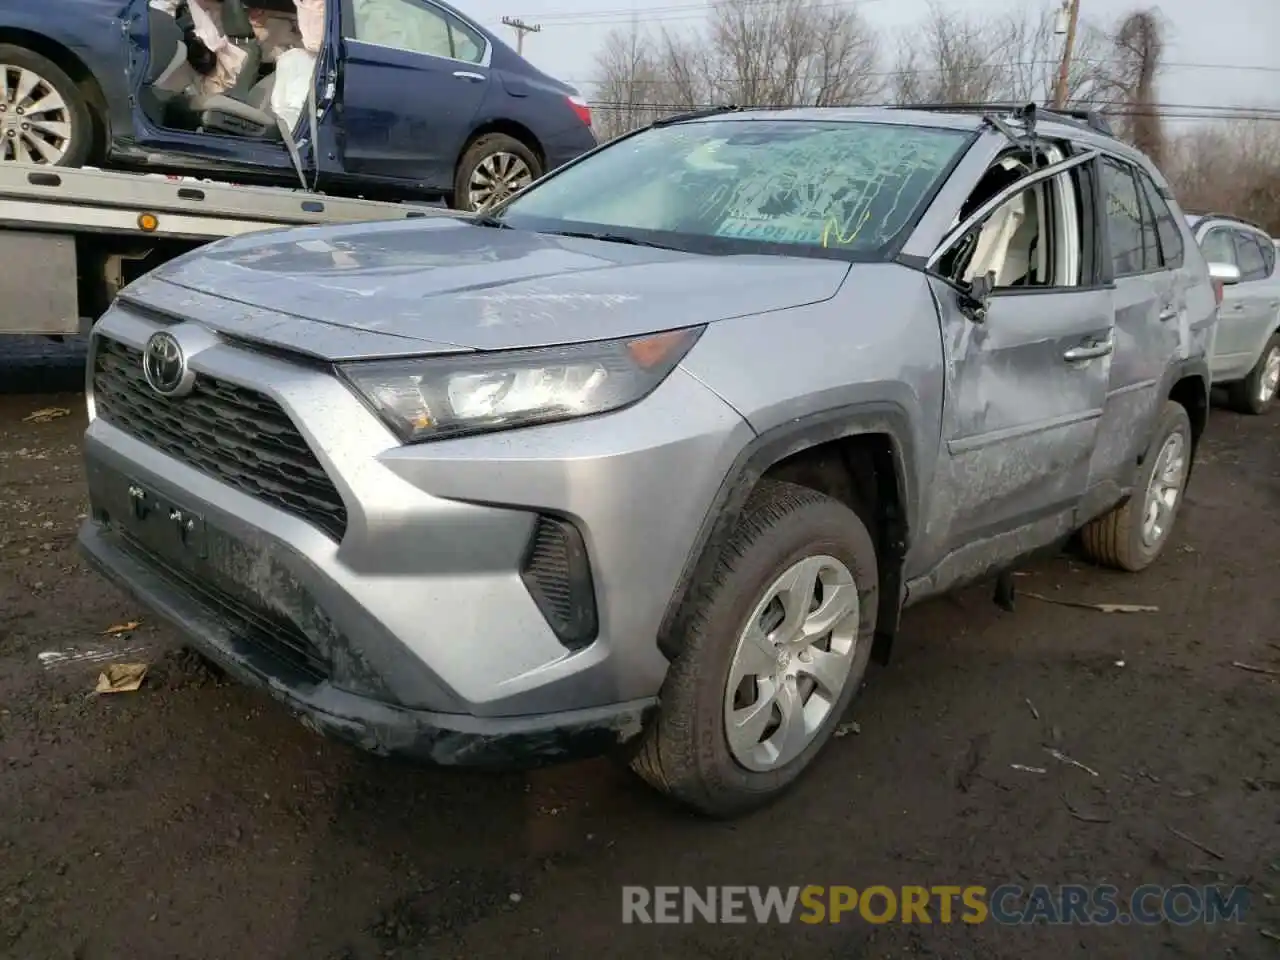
{"points": [[44, 118], [1255, 393], [493, 168], [777, 646], [1131, 536]]}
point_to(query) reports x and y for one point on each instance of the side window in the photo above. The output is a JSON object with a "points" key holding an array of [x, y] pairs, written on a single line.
{"points": [[1249, 254], [1268, 254], [415, 27], [1124, 218], [467, 44], [1170, 236], [1029, 241], [1218, 246]]}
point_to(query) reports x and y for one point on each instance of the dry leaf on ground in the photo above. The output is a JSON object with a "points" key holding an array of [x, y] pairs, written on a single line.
{"points": [[121, 678], [46, 414]]}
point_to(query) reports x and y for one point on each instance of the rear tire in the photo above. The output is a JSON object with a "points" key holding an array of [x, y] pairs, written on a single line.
{"points": [[60, 134], [491, 169], [1255, 393], [786, 531], [1127, 538]]}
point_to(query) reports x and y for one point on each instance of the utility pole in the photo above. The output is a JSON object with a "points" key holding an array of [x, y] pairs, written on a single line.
{"points": [[521, 28], [1068, 48]]}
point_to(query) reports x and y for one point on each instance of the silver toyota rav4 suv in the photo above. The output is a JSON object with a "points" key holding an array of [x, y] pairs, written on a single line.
{"points": [[648, 459]]}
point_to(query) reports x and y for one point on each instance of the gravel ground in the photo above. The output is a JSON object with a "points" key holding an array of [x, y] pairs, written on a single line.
{"points": [[195, 819]]}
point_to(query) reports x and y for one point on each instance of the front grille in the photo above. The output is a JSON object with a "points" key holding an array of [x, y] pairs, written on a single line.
{"points": [[231, 433]]}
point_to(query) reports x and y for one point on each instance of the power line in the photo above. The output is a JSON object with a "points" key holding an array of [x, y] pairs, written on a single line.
{"points": [[922, 71], [1173, 111]]}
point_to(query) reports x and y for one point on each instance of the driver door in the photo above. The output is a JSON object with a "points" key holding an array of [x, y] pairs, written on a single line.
{"points": [[1026, 374]]}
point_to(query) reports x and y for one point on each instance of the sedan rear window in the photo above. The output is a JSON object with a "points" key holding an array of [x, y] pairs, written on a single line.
{"points": [[742, 185]]}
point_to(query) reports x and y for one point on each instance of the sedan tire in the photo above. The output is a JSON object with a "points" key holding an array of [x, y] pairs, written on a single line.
{"points": [[493, 168]]}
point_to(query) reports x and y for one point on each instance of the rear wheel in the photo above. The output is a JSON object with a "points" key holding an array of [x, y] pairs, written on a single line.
{"points": [[493, 168], [44, 118], [1132, 535], [777, 647], [1256, 392]]}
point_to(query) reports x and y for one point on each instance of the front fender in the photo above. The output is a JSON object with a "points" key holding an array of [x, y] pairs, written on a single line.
{"points": [[753, 461]]}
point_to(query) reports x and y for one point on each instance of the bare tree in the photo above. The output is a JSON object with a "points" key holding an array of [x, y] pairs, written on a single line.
{"points": [[949, 58], [1232, 166], [791, 52], [1138, 46], [1033, 53], [750, 53], [629, 82]]}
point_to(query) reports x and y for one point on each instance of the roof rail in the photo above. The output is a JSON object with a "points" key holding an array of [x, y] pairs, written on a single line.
{"points": [[1092, 119], [696, 114], [1202, 217]]}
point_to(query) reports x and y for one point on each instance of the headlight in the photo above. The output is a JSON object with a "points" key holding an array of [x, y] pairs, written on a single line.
{"points": [[427, 398]]}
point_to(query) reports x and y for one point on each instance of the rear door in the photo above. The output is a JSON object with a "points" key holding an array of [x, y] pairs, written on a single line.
{"points": [[1252, 309], [1150, 308], [1219, 246], [1026, 381], [412, 79]]}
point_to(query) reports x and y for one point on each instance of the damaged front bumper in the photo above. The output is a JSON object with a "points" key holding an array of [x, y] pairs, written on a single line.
{"points": [[379, 728]]}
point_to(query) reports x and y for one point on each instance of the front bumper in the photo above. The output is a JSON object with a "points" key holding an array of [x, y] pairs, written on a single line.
{"points": [[379, 728], [414, 632]]}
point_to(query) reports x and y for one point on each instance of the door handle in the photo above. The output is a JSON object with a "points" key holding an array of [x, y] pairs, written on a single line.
{"points": [[1168, 313], [1089, 351], [468, 75], [1237, 307]]}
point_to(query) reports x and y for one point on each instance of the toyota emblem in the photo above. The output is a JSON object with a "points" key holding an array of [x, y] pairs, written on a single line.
{"points": [[164, 365]]}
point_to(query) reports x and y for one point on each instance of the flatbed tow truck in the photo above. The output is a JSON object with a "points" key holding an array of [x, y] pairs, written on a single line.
{"points": [[71, 238]]}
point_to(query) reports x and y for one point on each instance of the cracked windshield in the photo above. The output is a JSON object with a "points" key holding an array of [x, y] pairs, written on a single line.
{"points": [[841, 186]]}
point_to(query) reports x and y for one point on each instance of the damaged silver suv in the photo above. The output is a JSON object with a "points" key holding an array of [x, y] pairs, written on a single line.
{"points": [[649, 458]]}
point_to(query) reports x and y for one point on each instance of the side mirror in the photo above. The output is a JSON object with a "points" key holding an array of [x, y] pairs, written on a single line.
{"points": [[1224, 273], [974, 300]]}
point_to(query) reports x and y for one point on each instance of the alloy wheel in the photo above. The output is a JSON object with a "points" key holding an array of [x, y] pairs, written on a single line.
{"points": [[35, 121], [791, 663]]}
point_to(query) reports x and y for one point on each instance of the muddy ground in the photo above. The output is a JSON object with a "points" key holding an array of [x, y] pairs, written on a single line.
{"points": [[195, 819]]}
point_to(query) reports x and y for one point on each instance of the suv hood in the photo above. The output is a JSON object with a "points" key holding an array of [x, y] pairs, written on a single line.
{"points": [[437, 285]]}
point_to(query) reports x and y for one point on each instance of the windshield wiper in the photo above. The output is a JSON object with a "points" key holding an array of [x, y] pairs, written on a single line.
{"points": [[610, 238], [489, 220]]}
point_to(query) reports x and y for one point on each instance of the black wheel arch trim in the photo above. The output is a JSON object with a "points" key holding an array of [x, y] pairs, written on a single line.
{"points": [[772, 447]]}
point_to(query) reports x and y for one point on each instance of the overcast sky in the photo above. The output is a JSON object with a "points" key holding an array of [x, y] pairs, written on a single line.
{"points": [[1241, 34]]}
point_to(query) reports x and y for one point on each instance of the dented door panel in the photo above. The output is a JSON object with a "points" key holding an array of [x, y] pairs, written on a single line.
{"points": [[1148, 315], [1020, 417]]}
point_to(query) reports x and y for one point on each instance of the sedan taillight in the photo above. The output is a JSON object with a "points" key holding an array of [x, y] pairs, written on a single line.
{"points": [[579, 106]]}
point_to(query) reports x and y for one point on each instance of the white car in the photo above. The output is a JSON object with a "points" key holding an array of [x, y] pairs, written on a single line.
{"points": [[1246, 354]]}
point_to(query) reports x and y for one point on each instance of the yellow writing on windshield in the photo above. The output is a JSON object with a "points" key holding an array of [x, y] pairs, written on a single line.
{"points": [[832, 229]]}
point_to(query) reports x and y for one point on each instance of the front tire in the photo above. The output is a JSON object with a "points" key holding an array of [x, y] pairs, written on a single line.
{"points": [[491, 169], [44, 118], [777, 646], [1131, 536], [1256, 392]]}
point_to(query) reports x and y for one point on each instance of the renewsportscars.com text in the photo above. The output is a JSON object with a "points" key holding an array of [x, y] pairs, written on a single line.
{"points": [[1008, 904]]}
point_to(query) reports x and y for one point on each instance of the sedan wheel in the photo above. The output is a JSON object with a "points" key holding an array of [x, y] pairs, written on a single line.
{"points": [[43, 117], [496, 177]]}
